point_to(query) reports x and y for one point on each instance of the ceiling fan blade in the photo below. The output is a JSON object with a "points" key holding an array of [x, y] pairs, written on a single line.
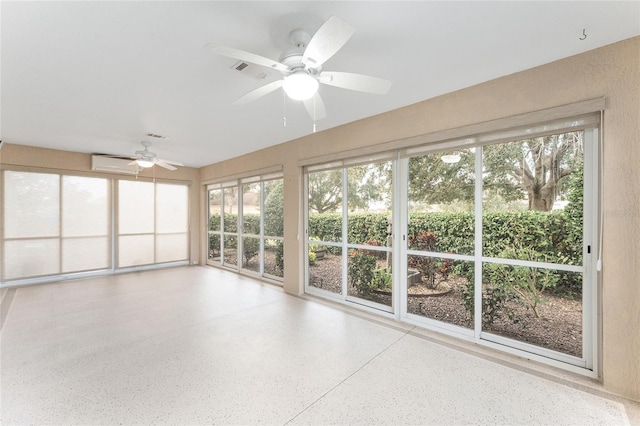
{"points": [[165, 165], [315, 107], [258, 93], [132, 163], [175, 163], [331, 36], [246, 56], [359, 82]]}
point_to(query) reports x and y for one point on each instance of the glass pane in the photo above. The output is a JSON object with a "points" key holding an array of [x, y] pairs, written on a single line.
{"points": [[369, 203], [31, 205], [325, 205], [172, 247], [230, 199], [250, 251], [441, 289], [274, 258], [135, 250], [369, 275], [230, 250], [172, 208], [136, 207], [85, 254], [441, 202], [31, 258], [214, 247], [532, 199], [325, 268], [85, 207], [530, 305], [251, 208], [274, 208], [215, 209]]}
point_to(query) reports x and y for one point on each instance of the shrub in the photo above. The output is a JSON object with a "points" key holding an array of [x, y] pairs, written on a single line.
{"points": [[251, 223], [274, 210], [360, 271], [527, 283], [426, 265], [250, 248], [495, 302], [381, 280], [280, 256]]}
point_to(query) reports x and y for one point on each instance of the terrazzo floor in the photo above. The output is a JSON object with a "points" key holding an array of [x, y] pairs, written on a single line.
{"points": [[198, 345]]}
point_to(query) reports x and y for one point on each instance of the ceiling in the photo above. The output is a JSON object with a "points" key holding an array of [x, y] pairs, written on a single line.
{"points": [[96, 77]]}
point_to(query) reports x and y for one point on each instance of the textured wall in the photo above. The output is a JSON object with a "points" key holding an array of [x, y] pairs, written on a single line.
{"points": [[612, 72]]}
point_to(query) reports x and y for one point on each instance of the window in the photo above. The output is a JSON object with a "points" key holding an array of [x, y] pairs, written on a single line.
{"points": [[62, 224], [246, 225], [54, 224], [153, 223]]}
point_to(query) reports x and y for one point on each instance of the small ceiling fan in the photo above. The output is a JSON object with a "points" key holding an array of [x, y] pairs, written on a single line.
{"points": [[145, 158], [301, 67]]}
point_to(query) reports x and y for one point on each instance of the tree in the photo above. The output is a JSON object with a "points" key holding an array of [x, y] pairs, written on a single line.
{"points": [[364, 184], [325, 191], [432, 181], [536, 168], [230, 199]]}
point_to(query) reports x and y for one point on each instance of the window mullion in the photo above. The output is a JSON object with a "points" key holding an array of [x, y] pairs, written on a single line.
{"points": [[477, 300], [345, 249]]}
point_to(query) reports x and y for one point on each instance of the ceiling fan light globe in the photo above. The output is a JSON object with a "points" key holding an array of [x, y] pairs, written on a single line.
{"points": [[144, 163], [300, 86]]}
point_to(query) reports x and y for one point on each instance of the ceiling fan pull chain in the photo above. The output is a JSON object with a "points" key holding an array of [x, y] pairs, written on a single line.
{"points": [[284, 109], [314, 113]]}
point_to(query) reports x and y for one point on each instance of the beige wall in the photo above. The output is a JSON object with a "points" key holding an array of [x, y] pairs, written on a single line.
{"points": [[40, 159], [612, 72]]}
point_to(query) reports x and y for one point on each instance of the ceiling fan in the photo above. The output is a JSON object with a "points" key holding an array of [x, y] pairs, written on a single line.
{"points": [[145, 158], [301, 67]]}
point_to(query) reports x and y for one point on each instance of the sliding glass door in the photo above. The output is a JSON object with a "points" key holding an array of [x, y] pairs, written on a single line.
{"points": [[533, 242], [440, 237], [349, 232], [245, 229], [496, 241]]}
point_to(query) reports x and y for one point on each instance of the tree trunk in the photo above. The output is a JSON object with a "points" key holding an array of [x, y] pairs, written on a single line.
{"points": [[541, 199]]}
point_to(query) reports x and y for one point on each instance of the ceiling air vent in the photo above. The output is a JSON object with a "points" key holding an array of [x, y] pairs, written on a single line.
{"points": [[153, 135], [249, 70]]}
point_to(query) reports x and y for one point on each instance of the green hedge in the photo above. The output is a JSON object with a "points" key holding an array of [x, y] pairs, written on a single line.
{"points": [[548, 234], [251, 223], [545, 237]]}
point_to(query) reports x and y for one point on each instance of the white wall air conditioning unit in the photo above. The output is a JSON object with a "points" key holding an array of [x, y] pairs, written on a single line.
{"points": [[103, 163]]}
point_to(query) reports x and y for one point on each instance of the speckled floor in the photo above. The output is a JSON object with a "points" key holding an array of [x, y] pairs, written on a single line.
{"points": [[196, 345]]}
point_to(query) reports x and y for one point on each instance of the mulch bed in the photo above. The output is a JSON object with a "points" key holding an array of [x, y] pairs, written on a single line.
{"points": [[559, 326], [253, 264]]}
